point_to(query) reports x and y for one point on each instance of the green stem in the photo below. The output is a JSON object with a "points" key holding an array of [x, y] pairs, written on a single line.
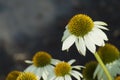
{"points": [[103, 66]]}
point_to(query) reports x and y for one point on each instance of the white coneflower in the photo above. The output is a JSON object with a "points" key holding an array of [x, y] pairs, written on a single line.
{"points": [[42, 64], [64, 71], [110, 55], [82, 31]]}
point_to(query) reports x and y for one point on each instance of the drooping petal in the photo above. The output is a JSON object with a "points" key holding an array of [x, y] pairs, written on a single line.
{"points": [[49, 68], [100, 23], [101, 27], [96, 38], [45, 70], [75, 75], [53, 78], [30, 68], [82, 47], [65, 35], [89, 44], [44, 76], [61, 78], [101, 34], [67, 77], [78, 67], [96, 71], [71, 61], [58, 78], [68, 42], [38, 72], [77, 43]]}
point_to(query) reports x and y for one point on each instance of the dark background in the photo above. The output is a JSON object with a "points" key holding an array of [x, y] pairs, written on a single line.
{"points": [[28, 26]]}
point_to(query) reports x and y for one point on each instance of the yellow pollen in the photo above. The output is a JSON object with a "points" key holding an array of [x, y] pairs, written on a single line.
{"points": [[62, 69], [80, 25], [41, 59], [27, 76]]}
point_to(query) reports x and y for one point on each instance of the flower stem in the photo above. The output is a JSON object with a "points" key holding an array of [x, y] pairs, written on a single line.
{"points": [[103, 66]]}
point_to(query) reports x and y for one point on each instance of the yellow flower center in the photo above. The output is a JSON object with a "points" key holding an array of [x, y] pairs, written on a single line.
{"points": [[13, 75], [108, 53], [62, 69], [41, 59], [80, 25], [27, 76]]}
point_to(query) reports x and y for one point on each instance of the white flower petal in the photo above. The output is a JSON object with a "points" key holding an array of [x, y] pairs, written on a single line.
{"points": [[101, 34], [38, 78], [44, 76], [49, 68], [101, 74], [77, 43], [38, 72], [65, 35], [67, 77], [82, 47], [98, 40], [45, 71], [78, 67], [75, 75], [61, 78], [57, 78], [28, 61], [96, 71], [114, 68], [68, 42], [54, 61], [101, 27], [30, 68], [89, 44], [53, 78], [100, 23], [71, 61]]}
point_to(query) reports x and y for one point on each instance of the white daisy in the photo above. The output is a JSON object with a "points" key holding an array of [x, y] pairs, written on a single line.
{"points": [[42, 64], [64, 71], [82, 31]]}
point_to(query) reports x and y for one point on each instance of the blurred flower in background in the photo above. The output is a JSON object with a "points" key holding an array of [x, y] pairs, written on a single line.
{"points": [[110, 55]]}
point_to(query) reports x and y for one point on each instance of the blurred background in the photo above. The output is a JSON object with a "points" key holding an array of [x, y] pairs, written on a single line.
{"points": [[29, 26]]}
